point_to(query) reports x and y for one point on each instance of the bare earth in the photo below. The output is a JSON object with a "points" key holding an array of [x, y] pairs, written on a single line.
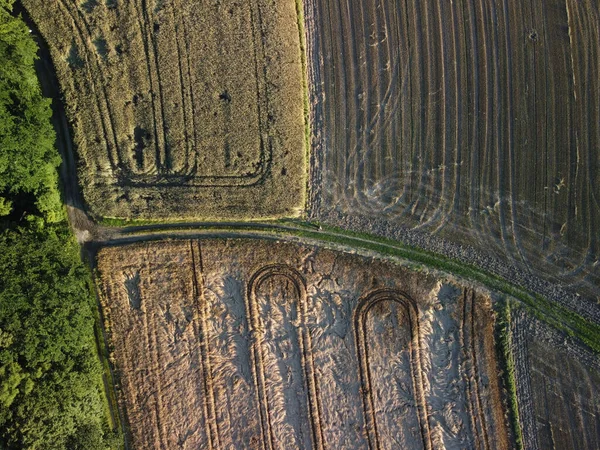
{"points": [[476, 121], [257, 344], [557, 386]]}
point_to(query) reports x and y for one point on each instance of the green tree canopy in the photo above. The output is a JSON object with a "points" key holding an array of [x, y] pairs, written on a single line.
{"points": [[49, 376], [51, 390], [28, 159]]}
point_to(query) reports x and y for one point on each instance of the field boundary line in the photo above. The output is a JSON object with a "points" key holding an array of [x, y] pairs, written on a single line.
{"points": [[305, 96], [103, 335]]}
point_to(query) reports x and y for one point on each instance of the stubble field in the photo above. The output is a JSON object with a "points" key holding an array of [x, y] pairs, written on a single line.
{"points": [[476, 121], [258, 344], [182, 109]]}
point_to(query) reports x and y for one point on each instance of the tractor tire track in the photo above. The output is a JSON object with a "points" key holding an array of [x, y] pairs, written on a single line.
{"points": [[101, 99], [279, 424], [498, 157], [361, 338], [211, 423]]}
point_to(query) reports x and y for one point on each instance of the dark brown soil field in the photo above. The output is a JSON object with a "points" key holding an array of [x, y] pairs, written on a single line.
{"points": [[182, 109], [557, 385], [477, 121], [258, 344]]}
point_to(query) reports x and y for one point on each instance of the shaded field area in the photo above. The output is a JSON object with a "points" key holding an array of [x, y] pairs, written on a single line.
{"points": [[557, 387], [475, 121], [257, 344], [182, 109]]}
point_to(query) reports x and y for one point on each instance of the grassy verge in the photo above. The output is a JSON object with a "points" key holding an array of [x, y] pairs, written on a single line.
{"points": [[118, 222], [306, 104], [550, 312], [504, 347], [111, 405]]}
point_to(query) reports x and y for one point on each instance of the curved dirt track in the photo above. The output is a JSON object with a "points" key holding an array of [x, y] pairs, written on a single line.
{"points": [[375, 353], [474, 120]]}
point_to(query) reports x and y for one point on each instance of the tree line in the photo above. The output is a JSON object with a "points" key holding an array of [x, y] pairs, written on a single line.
{"points": [[51, 389]]}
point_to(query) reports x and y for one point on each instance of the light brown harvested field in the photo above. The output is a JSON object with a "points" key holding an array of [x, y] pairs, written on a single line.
{"points": [[180, 108], [476, 120], [557, 386], [258, 344]]}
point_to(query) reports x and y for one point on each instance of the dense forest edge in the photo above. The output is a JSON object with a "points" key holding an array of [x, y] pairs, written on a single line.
{"points": [[52, 394]]}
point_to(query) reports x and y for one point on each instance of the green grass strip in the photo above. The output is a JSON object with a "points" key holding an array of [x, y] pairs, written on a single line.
{"points": [[110, 397], [505, 352], [556, 315], [552, 313]]}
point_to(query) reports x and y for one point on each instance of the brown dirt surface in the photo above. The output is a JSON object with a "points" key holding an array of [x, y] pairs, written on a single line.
{"points": [[182, 109], [476, 121], [259, 344], [557, 386]]}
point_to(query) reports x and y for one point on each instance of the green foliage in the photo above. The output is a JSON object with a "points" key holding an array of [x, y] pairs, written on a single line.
{"points": [[51, 390], [505, 354], [50, 378], [11, 377], [28, 159], [5, 206]]}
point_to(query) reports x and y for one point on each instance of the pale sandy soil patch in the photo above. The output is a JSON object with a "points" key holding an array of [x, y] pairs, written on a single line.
{"points": [[252, 343]]}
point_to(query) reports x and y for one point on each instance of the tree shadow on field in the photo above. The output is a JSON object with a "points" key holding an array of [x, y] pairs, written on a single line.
{"points": [[74, 60], [83, 226], [101, 47]]}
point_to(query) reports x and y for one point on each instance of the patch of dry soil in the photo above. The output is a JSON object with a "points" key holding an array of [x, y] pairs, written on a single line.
{"points": [[257, 344]]}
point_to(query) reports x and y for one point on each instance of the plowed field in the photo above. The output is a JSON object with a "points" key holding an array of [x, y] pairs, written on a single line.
{"points": [[182, 109], [557, 386], [476, 120], [255, 344]]}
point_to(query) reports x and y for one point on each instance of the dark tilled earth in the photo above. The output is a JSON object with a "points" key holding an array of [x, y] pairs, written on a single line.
{"points": [[466, 128]]}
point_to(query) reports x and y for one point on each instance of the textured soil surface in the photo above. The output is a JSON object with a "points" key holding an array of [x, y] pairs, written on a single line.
{"points": [[473, 121], [257, 344], [467, 128], [557, 386]]}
